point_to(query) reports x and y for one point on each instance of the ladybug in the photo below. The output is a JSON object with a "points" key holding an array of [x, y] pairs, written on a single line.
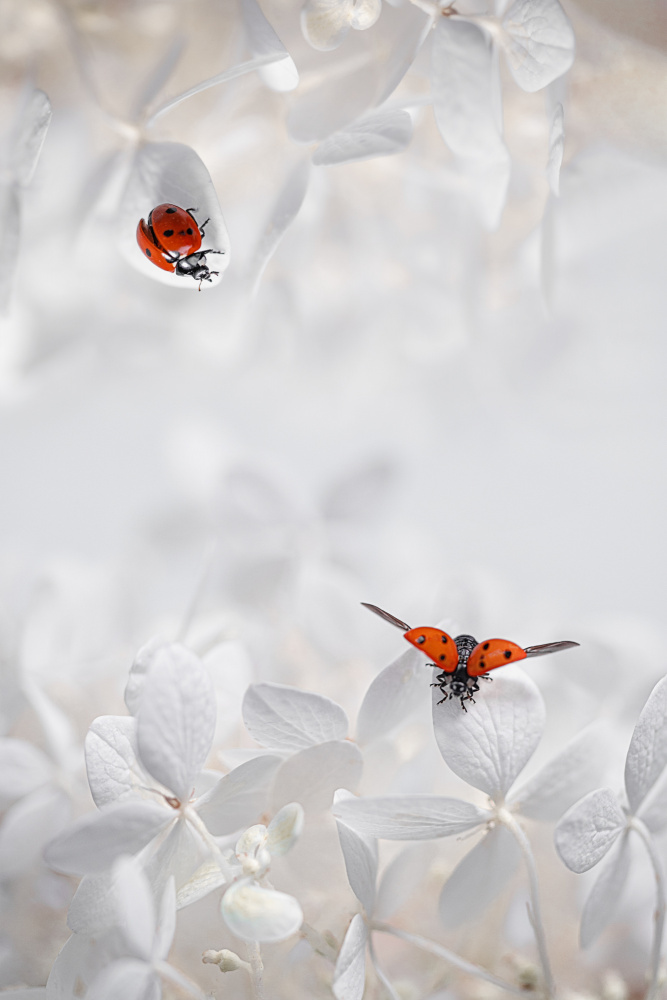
{"points": [[463, 661], [171, 239]]}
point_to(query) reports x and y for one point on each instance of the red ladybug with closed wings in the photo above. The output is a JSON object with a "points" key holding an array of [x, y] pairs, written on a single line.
{"points": [[463, 660], [171, 239]]}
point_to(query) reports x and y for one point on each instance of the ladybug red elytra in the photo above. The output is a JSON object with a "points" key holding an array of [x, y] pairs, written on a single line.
{"points": [[171, 239], [463, 660]]}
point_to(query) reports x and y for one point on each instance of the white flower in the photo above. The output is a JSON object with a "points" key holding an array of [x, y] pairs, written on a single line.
{"points": [[312, 730], [145, 778], [599, 823], [251, 908], [488, 747], [138, 974]]}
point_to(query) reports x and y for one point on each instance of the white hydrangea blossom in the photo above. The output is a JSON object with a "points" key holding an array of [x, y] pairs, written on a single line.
{"points": [[599, 825]]}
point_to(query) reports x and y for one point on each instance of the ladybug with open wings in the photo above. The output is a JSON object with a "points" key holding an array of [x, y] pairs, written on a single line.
{"points": [[171, 239], [463, 661]]}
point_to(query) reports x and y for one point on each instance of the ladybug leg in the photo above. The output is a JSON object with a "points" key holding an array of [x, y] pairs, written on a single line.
{"points": [[201, 230]]}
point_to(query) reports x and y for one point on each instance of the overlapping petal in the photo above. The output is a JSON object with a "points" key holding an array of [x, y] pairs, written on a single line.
{"points": [[647, 753], [349, 978], [479, 877], [238, 797], [538, 41], [601, 903], [284, 718], [312, 776]]}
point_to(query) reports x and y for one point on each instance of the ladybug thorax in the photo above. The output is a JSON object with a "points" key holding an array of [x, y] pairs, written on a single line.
{"points": [[464, 645]]}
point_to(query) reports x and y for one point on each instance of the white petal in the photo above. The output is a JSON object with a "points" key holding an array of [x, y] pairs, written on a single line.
{"points": [[490, 744], [588, 830], [538, 42], [135, 907], [126, 979], [575, 771], [29, 993], [600, 905], [208, 877], [410, 817], [158, 77], [23, 768], [647, 754], [141, 664], [381, 134], [361, 859], [397, 691], [285, 718], [402, 878], [171, 172], [166, 923], [239, 797], [263, 40], [176, 719], [283, 213], [180, 854], [285, 829], [465, 91], [556, 147], [28, 825], [93, 906], [653, 810], [256, 914], [34, 124], [349, 978], [365, 14], [325, 23], [114, 772], [479, 878], [95, 841], [312, 776], [67, 967]]}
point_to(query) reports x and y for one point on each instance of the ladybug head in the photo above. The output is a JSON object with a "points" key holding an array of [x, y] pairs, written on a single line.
{"points": [[195, 266]]}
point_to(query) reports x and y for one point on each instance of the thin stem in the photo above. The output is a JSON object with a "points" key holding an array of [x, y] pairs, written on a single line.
{"points": [[639, 828], [256, 970], [449, 956], [534, 909], [389, 989], [230, 74]]}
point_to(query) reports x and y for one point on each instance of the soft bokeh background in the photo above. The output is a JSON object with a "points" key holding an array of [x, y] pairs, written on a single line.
{"points": [[411, 410]]}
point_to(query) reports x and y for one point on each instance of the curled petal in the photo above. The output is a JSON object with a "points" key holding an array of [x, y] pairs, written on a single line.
{"points": [[285, 829], [365, 14], [490, 744], [325, 23], [256, 914], [349, 976], [589, 829], [361, 859]]}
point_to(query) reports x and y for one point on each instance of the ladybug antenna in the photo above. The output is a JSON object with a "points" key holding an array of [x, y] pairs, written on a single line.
{"points": [[387, 617]]}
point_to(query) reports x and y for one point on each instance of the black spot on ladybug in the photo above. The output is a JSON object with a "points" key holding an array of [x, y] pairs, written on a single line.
{"points": [[188, 231], [148, 253], [508, 654], [485, 646], [444, 638], [421, 638], [170, 211], [442, 656], [168, 232]]}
